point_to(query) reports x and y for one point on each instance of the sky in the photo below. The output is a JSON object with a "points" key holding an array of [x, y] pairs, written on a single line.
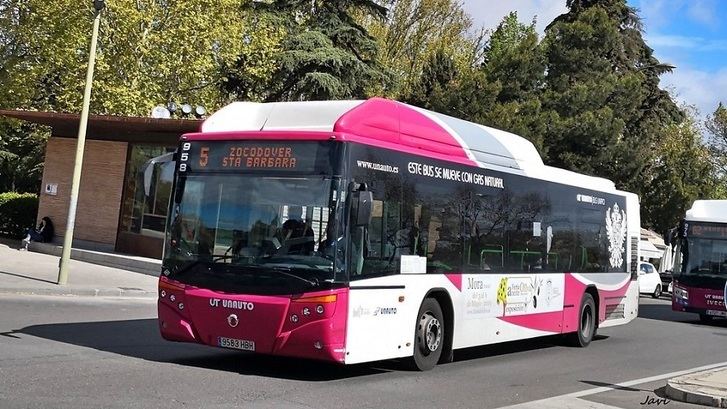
{"points": [[683, 33]]}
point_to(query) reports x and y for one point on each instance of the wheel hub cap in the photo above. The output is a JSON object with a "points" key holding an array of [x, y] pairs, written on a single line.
{"points": [[432, 333]]}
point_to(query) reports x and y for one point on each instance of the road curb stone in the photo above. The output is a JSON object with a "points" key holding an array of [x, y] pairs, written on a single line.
{"points": [[688, 389]]}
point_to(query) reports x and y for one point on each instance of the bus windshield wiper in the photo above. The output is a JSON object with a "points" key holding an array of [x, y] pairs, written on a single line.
{"points": [[285, 271]]}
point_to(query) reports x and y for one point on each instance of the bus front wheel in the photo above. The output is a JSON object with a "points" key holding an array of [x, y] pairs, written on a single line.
{"points": [[586, 323], [428, 336]]}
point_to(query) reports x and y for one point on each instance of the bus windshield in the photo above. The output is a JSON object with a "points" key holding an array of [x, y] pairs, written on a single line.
{"points": [[703, 256], [254, 234]]}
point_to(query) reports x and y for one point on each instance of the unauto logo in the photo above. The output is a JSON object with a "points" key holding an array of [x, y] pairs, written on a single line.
{"points": [[385, 311]]}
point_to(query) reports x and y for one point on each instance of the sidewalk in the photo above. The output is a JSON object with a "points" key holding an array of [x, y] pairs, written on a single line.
{"points": [[25, 272], [708, 388]]}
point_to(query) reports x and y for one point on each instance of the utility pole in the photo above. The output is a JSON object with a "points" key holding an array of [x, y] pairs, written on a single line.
{"points": [[98, 6]]}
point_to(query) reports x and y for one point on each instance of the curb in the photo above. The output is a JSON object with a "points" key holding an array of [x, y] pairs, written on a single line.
{"points": [[81, 292], [148, 267], [680, 389]]}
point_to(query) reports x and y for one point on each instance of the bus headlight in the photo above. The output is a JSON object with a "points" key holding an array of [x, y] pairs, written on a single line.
{"points": [[681, 293]]}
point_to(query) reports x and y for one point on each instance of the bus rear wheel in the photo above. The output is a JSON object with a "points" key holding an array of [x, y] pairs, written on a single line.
{"points": [[428, 336], [586, 323]]}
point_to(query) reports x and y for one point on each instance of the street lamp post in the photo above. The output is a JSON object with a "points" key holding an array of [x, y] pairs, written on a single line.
{"points": [[98, 6]]}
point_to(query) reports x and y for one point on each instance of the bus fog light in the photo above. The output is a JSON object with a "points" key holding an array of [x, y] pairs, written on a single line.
{"points": [[293, 318], [172, 298], [181, 305], [319, 309], [306, 311], [317, 345]]}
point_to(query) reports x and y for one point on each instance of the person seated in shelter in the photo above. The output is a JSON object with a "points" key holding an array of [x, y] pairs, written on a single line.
{"points": [[43, 234], [297, 235]]}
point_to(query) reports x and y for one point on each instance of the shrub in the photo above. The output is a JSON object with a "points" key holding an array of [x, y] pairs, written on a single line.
{"points": [[17, 213]]}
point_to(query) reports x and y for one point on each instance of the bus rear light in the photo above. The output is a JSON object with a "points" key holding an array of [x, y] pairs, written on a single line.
{"points": [[293, 318], [306, 311], [319, 309], [317, 345], [162, 293], [181, 306], [172, 298]]}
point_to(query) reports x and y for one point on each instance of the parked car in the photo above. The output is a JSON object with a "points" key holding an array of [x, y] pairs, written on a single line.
{"points": [[649, 280]]}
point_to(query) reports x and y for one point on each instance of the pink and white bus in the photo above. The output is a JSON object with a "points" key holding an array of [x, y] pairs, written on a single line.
{"points": [[357, 231], [700, 262]]}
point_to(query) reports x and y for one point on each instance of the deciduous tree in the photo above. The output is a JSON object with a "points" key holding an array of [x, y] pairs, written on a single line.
{"points": [[682, 172], [716, 124], [415, 30], [149, 52]]}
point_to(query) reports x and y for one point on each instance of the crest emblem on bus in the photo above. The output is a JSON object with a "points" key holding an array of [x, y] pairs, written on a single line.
{"points": [[232, 320], [616, 233]]}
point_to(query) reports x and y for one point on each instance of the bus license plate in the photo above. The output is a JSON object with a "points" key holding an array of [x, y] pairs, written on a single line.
{"points": [[717, 313], [233, 343]]}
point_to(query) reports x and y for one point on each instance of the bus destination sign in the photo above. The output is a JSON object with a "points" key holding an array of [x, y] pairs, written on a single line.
{"points": [[259, 157], [711, 231], [215, 156]]}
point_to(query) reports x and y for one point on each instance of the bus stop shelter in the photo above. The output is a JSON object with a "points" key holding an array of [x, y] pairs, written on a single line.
{"points": [[115, 211]]}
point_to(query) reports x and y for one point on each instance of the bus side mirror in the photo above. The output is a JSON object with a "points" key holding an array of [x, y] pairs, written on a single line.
{"points": [[361, 207]]}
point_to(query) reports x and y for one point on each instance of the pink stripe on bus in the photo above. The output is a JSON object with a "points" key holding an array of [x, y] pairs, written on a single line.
{"points": [[394, 123]]}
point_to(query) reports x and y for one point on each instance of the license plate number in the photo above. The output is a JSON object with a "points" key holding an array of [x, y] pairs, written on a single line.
{"points": [[717, 313], [233, 343]]}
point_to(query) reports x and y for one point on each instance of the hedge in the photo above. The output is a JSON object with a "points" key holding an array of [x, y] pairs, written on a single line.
{"points": [[17, 213]]}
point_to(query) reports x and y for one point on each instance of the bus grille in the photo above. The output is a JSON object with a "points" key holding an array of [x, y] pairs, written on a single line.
{"points": [[615, 311]]}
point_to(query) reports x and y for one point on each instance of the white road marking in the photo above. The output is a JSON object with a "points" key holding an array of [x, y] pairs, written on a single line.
{"points": [[570, 400], [562, 402]]}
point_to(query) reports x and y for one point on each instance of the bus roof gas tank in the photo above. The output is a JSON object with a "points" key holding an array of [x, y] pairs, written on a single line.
{"points": [[708, 211]]}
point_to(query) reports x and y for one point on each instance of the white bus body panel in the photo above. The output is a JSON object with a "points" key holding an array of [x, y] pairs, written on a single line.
{"points": [[381, 327]]}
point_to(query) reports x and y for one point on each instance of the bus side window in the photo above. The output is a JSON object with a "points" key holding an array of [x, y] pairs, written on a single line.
{"points": [[374, 247], [591, 232]]}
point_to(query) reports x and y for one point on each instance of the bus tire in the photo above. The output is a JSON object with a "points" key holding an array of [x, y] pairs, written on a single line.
{"points": [[586, 323], [428, 336]]}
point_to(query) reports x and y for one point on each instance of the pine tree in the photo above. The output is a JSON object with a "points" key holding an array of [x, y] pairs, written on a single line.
{"points": [[602, 84], [326, 54]]}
